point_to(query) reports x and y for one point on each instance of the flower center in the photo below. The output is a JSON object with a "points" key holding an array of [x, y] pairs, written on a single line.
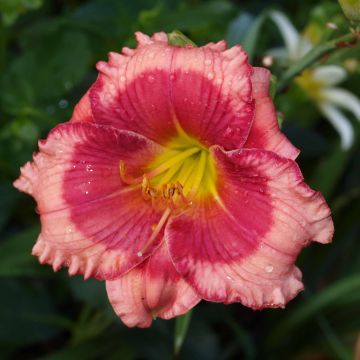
{"points": [[183, 172], [313, 87]]}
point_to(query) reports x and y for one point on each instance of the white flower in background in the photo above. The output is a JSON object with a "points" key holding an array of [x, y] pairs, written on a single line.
{"points": [[319, 83]]}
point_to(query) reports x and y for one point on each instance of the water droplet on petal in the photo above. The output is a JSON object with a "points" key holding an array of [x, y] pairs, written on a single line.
{"points": [[229, 132], [269, 268], [151, 78], [122, 78], [210, 75], [139, 254]]}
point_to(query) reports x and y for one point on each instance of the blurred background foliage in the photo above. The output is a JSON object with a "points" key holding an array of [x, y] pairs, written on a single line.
{"points": [[48, 51]]}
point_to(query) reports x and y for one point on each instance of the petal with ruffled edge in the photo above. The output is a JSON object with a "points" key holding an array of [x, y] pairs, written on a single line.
{"points": [[91, 221], [157, 88], [82, 110], [242, 244], [265, 132], [153, 289]]}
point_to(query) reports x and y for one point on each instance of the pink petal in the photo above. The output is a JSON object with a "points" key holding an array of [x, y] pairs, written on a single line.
{"points": [[265, 132], [156, 88], [153, 289], [91, 221], [82, 111], [242, 245]]}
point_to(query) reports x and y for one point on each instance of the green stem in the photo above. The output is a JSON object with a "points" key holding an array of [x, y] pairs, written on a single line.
{"points": [[314, 54], [181, 327]]}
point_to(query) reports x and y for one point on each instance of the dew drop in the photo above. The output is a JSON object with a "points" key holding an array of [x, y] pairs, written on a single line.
{"points": [[122, 78], [228, 132], [151, 79], [210, 75], [57, 135], [139, 254], [63, 104], [269, 268]]}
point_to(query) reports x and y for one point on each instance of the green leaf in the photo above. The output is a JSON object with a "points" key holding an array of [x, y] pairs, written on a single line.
{"points": [[91, 324], [43, 74], [330, 170], [16, 258], [273, 86], [245, 30], [9, 197], [11, 9], [181, 327], [177, 38], [238, 28], [23, 306], [316, 303]]}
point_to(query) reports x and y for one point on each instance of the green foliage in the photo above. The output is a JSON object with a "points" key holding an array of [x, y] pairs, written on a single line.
{"points": [[48, 52]]}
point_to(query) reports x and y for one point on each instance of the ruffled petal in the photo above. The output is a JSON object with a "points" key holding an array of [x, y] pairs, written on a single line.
{"points": [[91, 221], [265, 132], [82, 111], [153, 289], [157, 89], [242, 244]]}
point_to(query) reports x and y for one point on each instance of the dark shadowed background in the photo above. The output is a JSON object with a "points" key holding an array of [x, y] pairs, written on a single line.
{"points": [[48, 51]]}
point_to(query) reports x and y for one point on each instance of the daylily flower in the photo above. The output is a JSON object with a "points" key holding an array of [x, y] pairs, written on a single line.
{"points": [[319, 82], [173, 183]]}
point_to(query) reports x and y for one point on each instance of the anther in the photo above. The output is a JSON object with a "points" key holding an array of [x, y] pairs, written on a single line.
{"points": [[179, 189], [125, 178]]}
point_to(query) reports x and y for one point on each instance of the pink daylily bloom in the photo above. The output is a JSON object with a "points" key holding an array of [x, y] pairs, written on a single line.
{"points": [[174, 183]]}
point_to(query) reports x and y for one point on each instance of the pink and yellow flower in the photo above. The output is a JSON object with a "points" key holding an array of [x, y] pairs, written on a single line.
{"points": [[173, 182]]}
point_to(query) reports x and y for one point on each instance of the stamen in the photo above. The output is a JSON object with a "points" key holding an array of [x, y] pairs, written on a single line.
{"points": [[196, 181], [166, 178], [156, 231], [172, 161], [180, 192], [176, 176], [126, 178]]}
